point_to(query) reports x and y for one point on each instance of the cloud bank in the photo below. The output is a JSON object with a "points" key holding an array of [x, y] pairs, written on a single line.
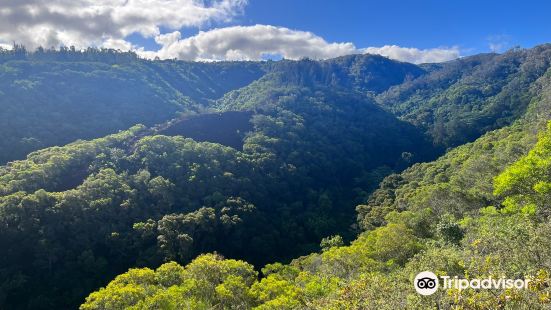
{"points": [[82, 23], [255, 42], [415, 55], [249, 43], [108, 23]]}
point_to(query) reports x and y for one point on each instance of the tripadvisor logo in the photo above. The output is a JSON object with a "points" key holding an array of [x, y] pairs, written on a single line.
{"points": [[427, 283]]}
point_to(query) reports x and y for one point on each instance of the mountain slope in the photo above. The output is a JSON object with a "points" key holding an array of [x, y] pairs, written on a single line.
{"points": [[458, 101], [57, 97], [137, 198], [481, 210], [300, 144], [360, 74]]}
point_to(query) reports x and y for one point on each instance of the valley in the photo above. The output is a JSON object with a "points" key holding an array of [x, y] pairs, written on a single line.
{"points": [[320, 184]]}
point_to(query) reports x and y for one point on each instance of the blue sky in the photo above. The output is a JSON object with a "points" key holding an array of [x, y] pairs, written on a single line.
{"points": [[415, 31], [421, 23]]}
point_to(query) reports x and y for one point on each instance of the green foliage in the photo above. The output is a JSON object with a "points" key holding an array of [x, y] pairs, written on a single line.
{"points": [[331, 242], [321, 136], [353, 73], [140, 199], [417, 229], [53, 98], [525, 184], [460, 100], [207, 282], [459, 183]]}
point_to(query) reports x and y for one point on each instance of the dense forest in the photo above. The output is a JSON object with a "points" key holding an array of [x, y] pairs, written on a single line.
{"points": [[56, 97], [135, 184]]}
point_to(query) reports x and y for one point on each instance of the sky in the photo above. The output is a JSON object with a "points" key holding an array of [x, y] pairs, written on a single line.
{"points": [[414, 31]]}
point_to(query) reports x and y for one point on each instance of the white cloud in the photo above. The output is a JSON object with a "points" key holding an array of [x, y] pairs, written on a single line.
{"points": [[415, 55], [5, 46], [108, 23], [118, 44], [498, 43], [249, 43], [254, 42], [94, 22]]}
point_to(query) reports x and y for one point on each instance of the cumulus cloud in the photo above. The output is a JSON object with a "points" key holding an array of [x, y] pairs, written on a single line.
{"points": [[118, 44], [94, 22], [249, 43], [108, 24], [255, 42], [415, 55]]}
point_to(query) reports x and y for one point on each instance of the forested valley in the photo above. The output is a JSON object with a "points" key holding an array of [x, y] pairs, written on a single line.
{"points": [[312, 184]]}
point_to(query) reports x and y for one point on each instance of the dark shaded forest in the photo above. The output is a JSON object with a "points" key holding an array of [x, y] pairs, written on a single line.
{"points": [[226, 128]]}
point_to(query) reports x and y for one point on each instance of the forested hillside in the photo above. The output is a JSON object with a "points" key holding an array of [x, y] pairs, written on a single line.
{"points": [[459, 100], [481, 210], [316, 184], [55, 97], [171, 198]]}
